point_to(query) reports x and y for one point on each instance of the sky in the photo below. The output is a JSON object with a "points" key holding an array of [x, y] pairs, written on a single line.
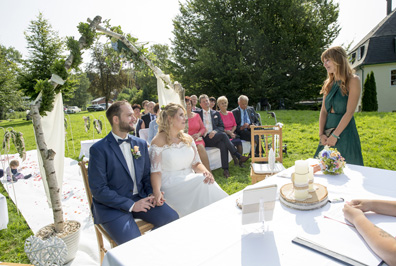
{"points": [[151, 20]]}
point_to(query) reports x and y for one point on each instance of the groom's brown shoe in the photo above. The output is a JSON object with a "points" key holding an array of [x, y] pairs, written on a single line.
{"points": [[243, 159], [226, 173]]}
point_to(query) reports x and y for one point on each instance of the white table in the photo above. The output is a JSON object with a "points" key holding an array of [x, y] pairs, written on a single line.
{"points": [[214, 235], [85, 146], [3, 212]]}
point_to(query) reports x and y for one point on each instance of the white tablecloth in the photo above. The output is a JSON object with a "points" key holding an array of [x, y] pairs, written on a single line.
{"points": [[3, 212], [214, 235]]}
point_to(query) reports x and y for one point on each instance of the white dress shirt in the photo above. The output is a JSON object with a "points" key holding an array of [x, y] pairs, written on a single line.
{"points": [[207, 120], [127, 152]]}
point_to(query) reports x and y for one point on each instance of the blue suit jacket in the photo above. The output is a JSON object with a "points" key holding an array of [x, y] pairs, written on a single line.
{"points": [[110, 181]]}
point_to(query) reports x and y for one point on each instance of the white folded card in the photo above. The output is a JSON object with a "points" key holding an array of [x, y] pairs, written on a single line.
{"points": [[258, 203]]}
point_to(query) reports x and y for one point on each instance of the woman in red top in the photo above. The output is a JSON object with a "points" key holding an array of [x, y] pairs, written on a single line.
{"points": [[196, 129], [229, 126]]}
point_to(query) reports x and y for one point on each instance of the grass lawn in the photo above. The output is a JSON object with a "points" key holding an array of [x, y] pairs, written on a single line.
{"points": [[300, 132]]}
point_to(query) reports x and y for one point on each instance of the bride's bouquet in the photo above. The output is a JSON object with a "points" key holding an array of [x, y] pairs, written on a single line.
{"points": [[331, 161]]}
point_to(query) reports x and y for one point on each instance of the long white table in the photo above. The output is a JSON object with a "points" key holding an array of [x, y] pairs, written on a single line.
{"points": [[215, 236], [3, 212]]}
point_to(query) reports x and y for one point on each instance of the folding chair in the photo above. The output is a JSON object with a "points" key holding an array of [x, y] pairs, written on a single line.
{"points": [[267, 136], [99, 230]]}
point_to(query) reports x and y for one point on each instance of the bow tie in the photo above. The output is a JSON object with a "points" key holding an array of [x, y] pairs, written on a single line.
{"points": [[120, 141]]}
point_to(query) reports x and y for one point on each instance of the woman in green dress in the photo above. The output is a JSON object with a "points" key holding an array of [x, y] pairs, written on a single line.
{"points": [[341, 92]]}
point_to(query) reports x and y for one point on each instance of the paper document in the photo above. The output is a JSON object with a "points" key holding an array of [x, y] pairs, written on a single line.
{"points": [[258, 203]]}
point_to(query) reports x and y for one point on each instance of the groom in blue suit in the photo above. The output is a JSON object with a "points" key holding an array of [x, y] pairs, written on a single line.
{"points": [[119, 179]]}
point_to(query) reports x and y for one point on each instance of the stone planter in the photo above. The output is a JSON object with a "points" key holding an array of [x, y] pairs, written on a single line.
{"points": [[70, 238]]}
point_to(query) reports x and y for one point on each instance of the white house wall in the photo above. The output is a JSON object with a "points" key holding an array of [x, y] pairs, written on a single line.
{"points": [[386, 94]]}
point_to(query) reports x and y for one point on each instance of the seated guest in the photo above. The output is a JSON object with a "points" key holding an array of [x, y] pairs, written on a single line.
{"points": [[144, 106], [150, 115], [230, 126], [382, 243], [212, 101], [245, 116], [196, 130], [215, 136], [194, 101], [139, 122], [177, 174], [153, 127], [120, 179]]}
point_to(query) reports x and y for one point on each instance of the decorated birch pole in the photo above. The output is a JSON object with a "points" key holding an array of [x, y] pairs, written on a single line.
{"points": [[157, 71], [48, 155]]}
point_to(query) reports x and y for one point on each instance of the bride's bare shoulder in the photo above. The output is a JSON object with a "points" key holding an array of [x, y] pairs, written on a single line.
{"points": [[159, 140]]}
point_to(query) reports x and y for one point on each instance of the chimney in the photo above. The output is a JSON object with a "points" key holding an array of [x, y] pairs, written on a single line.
{"points": [[389, 7]]}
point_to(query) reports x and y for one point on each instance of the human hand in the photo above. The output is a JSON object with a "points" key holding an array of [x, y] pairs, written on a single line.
{"points": [[364, 205], [209, 179], [246, 125], [331, 141], [211, 134], [323, 139], [143, 205], [195, 136], [159, 199], [351, 213]]}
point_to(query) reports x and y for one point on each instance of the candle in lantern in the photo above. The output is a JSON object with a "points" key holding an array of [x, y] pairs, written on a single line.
{"points": [[300, 180]]}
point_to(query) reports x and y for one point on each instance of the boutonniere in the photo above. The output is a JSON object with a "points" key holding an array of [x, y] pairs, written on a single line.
{"points": [[215, 116], [135, 152]]}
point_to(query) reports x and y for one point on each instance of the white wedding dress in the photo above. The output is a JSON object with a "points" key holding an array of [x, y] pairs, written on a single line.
{"points": [[183, 189]]}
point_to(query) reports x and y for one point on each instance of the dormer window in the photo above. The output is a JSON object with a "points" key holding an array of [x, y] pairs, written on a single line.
{"points": [[353, 58], [360, 52]]}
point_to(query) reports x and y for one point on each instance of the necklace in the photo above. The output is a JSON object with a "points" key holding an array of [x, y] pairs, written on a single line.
{"points": [[224, 113]]}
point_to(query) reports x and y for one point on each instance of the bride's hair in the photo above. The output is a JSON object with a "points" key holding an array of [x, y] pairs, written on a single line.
{"points": [[164, 123], [344, 71]]}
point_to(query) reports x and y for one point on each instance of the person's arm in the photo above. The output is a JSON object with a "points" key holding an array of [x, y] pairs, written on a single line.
{"points": [[322, 122], [384, 207], [382, 243], [353, 100], [198, 166], [156, 176], [220, 124]]}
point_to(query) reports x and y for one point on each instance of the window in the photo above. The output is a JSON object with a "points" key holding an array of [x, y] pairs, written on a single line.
{"points": [[393, 77], [360, 52], [353, 58]]}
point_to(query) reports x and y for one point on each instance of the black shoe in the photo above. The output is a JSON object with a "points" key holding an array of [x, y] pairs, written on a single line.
{"points": [[243, 159], [241, 165], [14, 179], [28, 176], [226, 173]]}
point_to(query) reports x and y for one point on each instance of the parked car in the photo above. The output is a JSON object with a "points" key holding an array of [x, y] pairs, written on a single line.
{"points": [[104, 105], [72, 110], [95, 107]]}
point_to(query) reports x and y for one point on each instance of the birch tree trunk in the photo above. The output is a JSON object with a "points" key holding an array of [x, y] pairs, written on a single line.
{"points": [[48, 155]]}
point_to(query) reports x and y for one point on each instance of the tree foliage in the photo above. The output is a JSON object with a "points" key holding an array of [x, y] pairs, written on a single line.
{"points": [[369, 98], [10, 97], [45, 47], [261, 48], [105, 72], [81, 96]]}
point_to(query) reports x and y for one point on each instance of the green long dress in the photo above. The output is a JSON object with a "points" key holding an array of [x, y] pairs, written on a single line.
{"points": [[349, 143]]}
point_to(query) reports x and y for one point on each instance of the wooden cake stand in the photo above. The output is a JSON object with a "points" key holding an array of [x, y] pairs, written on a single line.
{"points": [[318, 199]]}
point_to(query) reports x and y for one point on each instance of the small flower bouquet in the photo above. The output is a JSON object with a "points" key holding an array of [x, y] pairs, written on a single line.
{"points": [[331, 161], [135, 152]]}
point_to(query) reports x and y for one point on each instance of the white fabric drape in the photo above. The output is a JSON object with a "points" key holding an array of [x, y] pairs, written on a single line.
{"points": [[165, 94], [54, 134]]}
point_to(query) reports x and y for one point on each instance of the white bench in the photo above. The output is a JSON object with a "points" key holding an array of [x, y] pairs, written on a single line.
{"points": [[215, 158]]}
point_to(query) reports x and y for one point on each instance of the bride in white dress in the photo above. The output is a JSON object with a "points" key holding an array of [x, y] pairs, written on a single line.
{"points": [[177, 174]]}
